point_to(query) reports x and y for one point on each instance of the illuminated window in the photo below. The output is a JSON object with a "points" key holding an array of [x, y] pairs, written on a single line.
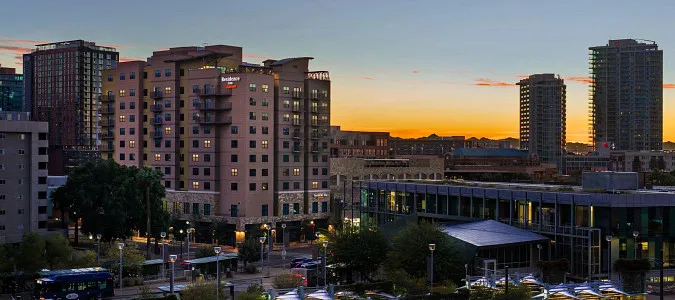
{"points": [[123, 118], [167, 130], [315, 184], [264, 186], [167, 90], [296, 172], [265, 88], [251, 87], [123, 93], [195, 157], [287, 104], [286, 90], [234, 171], [207, 144], [286, 117], [158, 157], [132, 144], [195, 185], [265, 116], [265, 102], [263, 144]]}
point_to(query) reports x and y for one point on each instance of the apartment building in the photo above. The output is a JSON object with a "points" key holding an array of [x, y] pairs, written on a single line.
{"points": [[641, 161], [11, 90], [626, 95], [358, 144], [23, 176], [238, 143], [62, 86]]}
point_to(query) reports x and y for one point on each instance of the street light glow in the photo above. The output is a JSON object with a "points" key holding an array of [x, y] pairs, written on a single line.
{"points": [[217, 250], [173, 257], [432, 247], [162, 234], [120, 245], [261, 239]]}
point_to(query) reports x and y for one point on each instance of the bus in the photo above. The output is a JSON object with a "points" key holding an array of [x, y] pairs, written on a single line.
{"points": [[70, 284]]}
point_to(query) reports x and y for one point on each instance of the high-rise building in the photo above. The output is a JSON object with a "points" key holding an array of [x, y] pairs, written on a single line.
{"points": [[23, 176], [63, 85], [626, 95], [237, 142], [11, 90], [542, 117]]}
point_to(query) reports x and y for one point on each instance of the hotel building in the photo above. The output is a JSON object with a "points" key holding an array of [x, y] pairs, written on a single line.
{"points": [[238, 143]]}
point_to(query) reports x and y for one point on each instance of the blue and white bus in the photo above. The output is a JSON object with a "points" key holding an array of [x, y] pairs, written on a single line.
{"points": [[87, 283]]}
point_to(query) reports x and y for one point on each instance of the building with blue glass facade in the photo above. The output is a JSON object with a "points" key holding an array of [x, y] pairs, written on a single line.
{"points": [[578, 221], [11, 90]]}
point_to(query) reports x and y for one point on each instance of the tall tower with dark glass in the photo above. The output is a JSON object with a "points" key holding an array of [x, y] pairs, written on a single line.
{"points": [[626, 95], [11, 90], [63, 88], [543, 119]]}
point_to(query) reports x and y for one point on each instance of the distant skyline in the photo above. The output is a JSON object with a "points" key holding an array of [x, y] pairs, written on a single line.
{"points": [[444, 67]]}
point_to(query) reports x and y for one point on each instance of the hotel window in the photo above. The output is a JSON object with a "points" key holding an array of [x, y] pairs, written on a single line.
{"points": [[207, 144], [233, 186], [132, 118], [207, 209], [132, 92], [287, 104], [252, 158], [132, 105], [265, 116], [315, 185], [251, 101], [251, 130], [195, 206], [132, 144], [251, 186], [285, 131], [251, 115], [167, 72], [284, 172], [263, 144], [167, 157], [324, 93], [122, 156], [207, 171], [121, 76], [251, 144], [265, 130], [195, 157], [324, 206], [265, 88], [264, 102], [132, 75], [195, 89], [296, 208], [286, 90], [158, 73], [122, 93], [110, 77], [252, 172], [195, 185], [167, 90], [158, 157], [195, 144], [132, 156], [264, 210], [234, 130], [286, 158], [167, 130], [234, 144], [122, 131], [207, 157], [234, 172], [296, 172], [315, 207], [286, 209], [286, 117], [265, 158], [186, 208], [234, 158], [315, 93], [207, 186], [251, 87]]}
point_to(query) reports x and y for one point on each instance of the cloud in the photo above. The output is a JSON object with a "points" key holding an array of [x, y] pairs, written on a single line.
{"points": [[257, 56], [522, 76], [367, 78], [32, 42], [128, 59], [489, 82], [669, 85], [14, 49], [580, 79], [415, 71]]}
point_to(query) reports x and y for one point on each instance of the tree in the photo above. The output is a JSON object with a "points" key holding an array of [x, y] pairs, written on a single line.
{"points": [[202, 291], [83, 259], [146, 177], [362, 251], [204, 252], [31, 257], [249, 251], [58, 251], [410, 250], [285, 281], [108, 199], [8, 255], [253, 292]]}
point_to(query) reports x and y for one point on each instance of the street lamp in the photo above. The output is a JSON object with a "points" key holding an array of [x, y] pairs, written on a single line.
{"points": [[635, 244], [609, 257], [163, 236], [181, 245], [539, 248], [121, 246], [98, 248], [188, 240], [217, 250], [172, 259], [283, 241], [432, 248], [325, 258], [262, 250]]}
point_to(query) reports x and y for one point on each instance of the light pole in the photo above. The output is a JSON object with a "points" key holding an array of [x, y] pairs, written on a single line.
{"points": [[325, 257], [217, 250], [609, 257], [283, 241], [262, 251], [98, 248], [432, 247], [181, 245], [120, 246], [188, 241], [635, 244], [172, 259], [506, 291], [163, 236], [539, 248]]}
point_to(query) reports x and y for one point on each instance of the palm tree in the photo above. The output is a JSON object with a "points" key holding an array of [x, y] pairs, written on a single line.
{"points": [[146, 176]]}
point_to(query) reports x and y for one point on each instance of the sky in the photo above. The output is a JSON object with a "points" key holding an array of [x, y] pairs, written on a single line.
{"points": [[412, 68]]}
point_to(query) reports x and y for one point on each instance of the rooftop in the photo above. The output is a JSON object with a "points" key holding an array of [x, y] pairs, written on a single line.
{"points": [[491, 233], [487, 152]]}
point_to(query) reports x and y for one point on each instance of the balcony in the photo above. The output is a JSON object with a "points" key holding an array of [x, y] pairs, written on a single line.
{"points": [[206, 106], [297, 135], [157, 134], [107, 110], [107, 136], [214, 120], [296, 122], [212, 92], [156, 95], [157, 121], [156, 108], [108, 98], [315, 136], [318, 75], [296, 95], [297, 108], [107, 123]]}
